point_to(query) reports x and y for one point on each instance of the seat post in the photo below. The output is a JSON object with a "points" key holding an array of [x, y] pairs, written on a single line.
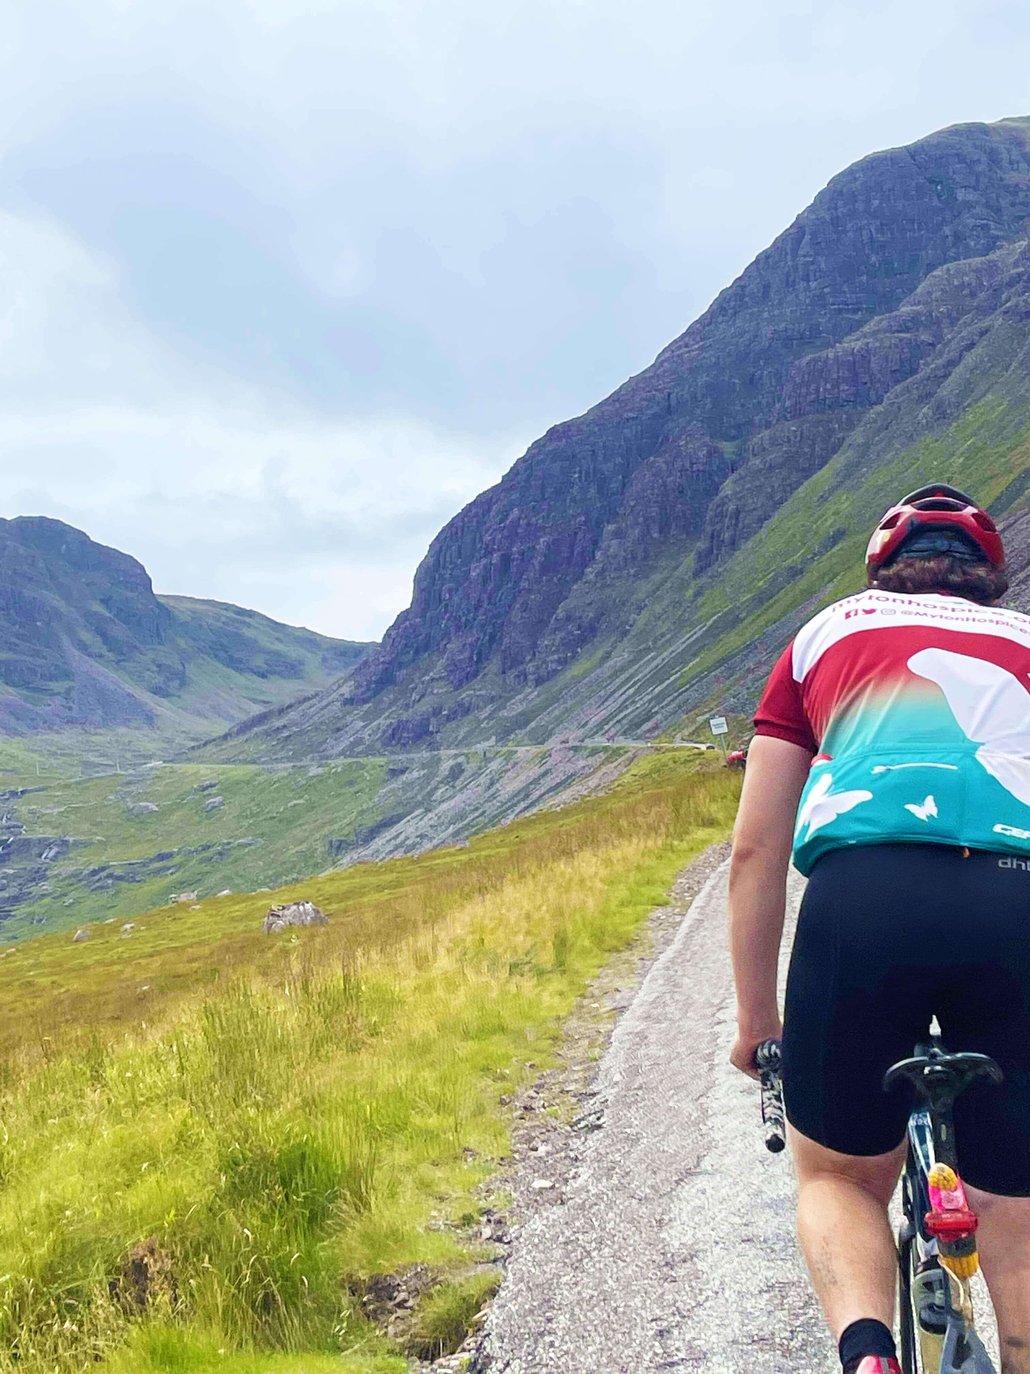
{"points": [[937, 1079]]}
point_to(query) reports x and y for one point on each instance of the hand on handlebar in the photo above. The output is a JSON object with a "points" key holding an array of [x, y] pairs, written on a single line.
{"points": [[742, 1056]]}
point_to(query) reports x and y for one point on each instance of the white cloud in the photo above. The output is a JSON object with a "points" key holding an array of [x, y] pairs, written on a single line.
{"points": [[218, 493], [283, 283], [243, 508]]}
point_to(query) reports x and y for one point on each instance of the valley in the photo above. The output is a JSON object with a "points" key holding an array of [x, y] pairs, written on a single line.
{"points": [[79, 849], [227, 1149]]}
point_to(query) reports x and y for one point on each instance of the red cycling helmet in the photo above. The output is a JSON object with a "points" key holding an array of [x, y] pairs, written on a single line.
{"points": [[931, 507]]}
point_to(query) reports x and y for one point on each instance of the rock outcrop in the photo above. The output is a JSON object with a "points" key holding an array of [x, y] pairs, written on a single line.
{"points": [[875, 320], [293, 914]]}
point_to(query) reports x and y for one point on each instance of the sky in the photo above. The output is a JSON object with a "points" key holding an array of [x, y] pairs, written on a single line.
{"points": [[286, 283]]}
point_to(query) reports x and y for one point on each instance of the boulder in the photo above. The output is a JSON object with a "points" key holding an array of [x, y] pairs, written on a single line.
{"points": [[293, 914], [80, 935], [214, 803]]}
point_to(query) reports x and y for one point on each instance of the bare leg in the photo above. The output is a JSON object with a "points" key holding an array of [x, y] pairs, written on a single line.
{"points": [[1004, 1240], [844, 1232]]}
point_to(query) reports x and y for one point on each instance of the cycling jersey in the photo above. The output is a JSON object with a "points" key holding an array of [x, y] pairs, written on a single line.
{"points": [[916, 709]]}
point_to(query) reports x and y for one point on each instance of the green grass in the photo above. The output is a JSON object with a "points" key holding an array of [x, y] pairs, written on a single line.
{"points": [[443, 1318], [271, 826], [38, 760], [174, 1352], [279, 1119]]}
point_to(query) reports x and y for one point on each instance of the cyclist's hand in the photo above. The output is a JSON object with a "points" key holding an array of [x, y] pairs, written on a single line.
{"points": [[742, 1056]]}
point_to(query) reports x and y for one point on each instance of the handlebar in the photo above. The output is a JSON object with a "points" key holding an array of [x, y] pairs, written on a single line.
{"points": [[768, 1061]]}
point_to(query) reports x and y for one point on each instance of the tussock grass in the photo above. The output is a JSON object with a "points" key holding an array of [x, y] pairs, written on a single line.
{"points": [[219, 1171], [444, 1315]]}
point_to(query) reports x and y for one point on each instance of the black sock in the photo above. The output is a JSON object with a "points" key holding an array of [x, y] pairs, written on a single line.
{"points": [[862, 1338]]}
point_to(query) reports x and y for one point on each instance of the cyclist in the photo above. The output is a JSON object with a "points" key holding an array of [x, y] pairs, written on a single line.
{"points": [[892, 755]]}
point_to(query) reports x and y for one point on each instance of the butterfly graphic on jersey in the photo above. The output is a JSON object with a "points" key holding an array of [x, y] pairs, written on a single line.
{"points": [[822, 806], [992, 707], [924, 810]]}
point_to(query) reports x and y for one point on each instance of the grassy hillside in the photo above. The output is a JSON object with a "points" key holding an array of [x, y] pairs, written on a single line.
{"points": [[812, 551], [215, 1138], [240, 662], [700, 644], [75, 850], [132, 841], [86, 645]]}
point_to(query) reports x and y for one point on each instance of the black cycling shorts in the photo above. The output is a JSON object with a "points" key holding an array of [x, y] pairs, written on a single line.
{"points": [[890, 935]]}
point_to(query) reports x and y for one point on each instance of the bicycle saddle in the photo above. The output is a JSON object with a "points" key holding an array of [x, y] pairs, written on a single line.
{"points": [[939, 1077]]}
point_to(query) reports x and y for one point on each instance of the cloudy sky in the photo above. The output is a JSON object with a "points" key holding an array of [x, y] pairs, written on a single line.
{"points": [[287, 282]]}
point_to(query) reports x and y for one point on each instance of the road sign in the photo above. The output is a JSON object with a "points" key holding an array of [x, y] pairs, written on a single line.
{"points": [[718, 725]]}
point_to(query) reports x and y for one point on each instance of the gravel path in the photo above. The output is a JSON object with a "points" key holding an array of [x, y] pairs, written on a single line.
{"points": [[659, 1235], [653, 1231]]}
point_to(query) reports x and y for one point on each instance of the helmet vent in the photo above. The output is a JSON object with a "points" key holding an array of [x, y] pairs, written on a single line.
{"points": [[938, 503], [935, 519]]}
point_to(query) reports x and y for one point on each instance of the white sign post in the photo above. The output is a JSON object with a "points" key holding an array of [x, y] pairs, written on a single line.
{"points": [[719, 728]]}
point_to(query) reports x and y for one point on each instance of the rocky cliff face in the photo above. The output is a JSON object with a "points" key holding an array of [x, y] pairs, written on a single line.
{"points": [[85, 642], [754, 386], [857, 322]]}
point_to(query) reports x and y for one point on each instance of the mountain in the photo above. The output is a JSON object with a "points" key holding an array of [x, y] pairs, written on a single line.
{"points": [[85, 642], [647, 558]]}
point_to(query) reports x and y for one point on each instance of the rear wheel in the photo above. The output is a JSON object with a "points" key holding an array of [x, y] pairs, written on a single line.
{"points": [[920, 1352], [931, 1351]]}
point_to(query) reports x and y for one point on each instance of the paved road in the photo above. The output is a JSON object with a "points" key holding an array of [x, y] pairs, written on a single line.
{"points": [[672, 1248], [464, 751]]}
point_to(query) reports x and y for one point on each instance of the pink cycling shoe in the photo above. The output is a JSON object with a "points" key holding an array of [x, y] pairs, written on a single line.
{"points": [[876, 1364]]}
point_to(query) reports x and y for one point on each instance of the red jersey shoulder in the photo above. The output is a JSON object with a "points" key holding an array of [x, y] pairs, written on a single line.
{"points": [[889, 612], [781, 711]]}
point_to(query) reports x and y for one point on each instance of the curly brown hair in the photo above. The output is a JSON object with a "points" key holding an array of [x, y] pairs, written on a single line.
{"points": [[976, 581]]}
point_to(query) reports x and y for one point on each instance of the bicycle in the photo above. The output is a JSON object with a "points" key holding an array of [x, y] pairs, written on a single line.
{"points": [[937, 1254]]}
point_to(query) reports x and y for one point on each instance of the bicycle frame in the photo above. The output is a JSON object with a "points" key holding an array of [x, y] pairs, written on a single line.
{"points": [[938, 1234], [955, 1348], [939, 1229]]}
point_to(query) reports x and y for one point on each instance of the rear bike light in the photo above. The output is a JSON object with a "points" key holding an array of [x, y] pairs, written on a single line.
{"points": [[951, 1222]]}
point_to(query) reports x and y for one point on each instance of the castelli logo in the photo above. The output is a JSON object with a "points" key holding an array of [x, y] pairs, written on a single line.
{"points": [[1014, 830]]}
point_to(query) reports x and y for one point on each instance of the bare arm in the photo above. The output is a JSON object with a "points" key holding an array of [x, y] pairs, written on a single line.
{"points": [[776, 774]]}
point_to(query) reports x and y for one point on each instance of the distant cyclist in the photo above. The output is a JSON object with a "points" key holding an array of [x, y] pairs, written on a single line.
{"points": [[892, 755]]}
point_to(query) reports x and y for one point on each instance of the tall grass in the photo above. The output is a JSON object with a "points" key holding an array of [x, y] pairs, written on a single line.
{"points": [[213, 1190]]}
